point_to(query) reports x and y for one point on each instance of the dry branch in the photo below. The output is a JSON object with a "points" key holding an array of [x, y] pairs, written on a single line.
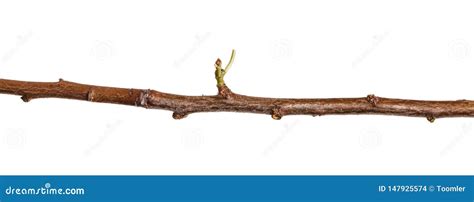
{"points": [[227, 101]]}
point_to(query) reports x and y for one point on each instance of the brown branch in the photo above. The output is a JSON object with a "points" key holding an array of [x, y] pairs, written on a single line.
{"points": [[227, 101]]}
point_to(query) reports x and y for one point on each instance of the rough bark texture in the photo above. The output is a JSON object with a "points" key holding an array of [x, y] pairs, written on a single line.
{"points": [[228, 101]]}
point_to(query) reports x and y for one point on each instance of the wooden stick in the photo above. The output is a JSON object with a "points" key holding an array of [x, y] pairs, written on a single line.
{"points": [[227, 101]]}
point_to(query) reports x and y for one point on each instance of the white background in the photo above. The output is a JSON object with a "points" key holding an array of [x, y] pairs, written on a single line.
{"points": [[405, 49]]}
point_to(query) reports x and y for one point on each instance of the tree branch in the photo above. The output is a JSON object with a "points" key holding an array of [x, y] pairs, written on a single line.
{"points": [[227, 101]]}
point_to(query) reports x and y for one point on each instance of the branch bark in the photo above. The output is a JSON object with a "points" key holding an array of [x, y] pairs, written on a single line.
{"points": [[227, 101]]}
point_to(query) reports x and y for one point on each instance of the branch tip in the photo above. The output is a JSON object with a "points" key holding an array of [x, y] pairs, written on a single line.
{"points": [[218, 62], [229, 64]]}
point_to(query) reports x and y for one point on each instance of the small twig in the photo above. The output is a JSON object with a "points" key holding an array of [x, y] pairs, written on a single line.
{"points": [[227, 101]]}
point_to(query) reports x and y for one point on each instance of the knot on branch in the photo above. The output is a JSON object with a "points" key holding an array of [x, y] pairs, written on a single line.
{"points": [[61, 82], [26, 98], [143, 99], [277, 113], [430, 118], [372, 99], [179, 115], [90, 95]]}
